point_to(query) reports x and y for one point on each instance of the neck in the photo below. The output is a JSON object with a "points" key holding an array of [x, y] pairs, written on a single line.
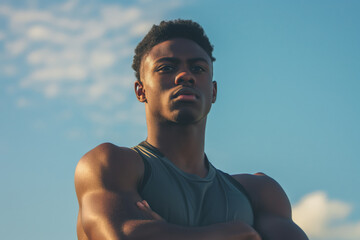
{"points": [[181, 144]]}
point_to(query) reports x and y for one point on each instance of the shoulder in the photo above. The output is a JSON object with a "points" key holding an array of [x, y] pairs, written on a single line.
{"points": [[108, 155], [266, 195], [108, 166]]}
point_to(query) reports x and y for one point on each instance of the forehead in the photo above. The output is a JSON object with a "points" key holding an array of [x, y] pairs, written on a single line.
{"points": [[180, 48]]}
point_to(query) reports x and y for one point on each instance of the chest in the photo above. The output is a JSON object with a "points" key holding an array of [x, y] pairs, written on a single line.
{"points": [[196, 203]]}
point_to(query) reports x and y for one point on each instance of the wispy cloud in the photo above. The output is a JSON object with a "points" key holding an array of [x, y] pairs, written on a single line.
{"points": [[2, 35], [8, 70], [325, 219], [78, 50]]}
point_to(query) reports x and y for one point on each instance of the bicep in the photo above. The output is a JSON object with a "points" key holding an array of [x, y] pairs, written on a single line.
{"points": [[271, 207], [273, 219]]}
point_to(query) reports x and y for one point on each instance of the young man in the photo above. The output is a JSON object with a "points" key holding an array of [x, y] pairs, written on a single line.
{"points": [[165, 188]]}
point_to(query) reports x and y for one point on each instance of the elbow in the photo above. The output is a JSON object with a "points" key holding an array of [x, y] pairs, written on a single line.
{"points": [[105, 231], [96, 229], [132, 230], [144, 229]]}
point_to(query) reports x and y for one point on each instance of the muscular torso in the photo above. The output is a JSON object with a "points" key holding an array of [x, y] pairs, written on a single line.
{"points": [[271, 206], [212, 211]]}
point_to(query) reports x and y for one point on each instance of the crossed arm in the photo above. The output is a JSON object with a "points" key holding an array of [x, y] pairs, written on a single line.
{"points": [[110, 207]]}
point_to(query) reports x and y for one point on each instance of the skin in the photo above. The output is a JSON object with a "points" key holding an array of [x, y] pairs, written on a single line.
{"points": [[177, 90]]}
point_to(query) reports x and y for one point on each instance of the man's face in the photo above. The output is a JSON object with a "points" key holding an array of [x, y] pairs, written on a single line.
{"points": [[177, 81]]}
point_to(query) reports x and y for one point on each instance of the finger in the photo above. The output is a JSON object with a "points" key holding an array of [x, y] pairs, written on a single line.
{"points": [[146, 204], [141, 206]]}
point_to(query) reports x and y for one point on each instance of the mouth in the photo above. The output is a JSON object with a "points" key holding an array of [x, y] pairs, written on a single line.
{"points": [[186, 94]]}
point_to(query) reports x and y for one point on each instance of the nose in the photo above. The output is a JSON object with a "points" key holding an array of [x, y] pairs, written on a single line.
{"points": [[184, 78]]}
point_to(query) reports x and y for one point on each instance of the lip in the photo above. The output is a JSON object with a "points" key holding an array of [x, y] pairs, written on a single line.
{"points": [[186, 94]]}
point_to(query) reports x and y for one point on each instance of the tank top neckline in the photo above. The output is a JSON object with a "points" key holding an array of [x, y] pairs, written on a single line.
{"points": [[156, 152]]}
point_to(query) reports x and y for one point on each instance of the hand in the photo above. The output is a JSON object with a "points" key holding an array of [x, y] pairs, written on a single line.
{"points": [[143, 205]]}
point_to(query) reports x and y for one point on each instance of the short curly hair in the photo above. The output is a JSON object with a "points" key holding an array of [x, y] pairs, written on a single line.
{"points": [[168, 30]]}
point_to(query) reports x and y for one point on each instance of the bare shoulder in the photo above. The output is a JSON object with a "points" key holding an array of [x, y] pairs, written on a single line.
{"points": [[106, 180], [266, 194], [108, 166]]}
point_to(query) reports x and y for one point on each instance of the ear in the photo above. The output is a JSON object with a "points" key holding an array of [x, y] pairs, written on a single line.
{"points": [[214, 91], [140, 91]]}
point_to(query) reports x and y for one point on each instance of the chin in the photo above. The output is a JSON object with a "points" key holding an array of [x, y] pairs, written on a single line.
{"points": [[184, 114], [186, 118]]}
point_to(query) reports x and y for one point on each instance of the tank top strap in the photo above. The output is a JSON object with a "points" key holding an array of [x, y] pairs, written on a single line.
{"points": [[147, 167]]}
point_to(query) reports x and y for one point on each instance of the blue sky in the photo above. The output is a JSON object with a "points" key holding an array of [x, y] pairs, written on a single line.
{"points": [[288, 104]]}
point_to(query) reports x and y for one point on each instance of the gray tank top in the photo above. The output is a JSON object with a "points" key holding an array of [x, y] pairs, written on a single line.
{"points": [[189, 200]]}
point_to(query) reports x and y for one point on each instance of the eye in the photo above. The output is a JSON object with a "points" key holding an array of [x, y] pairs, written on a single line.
{"points": [[197, 69], [165, 68]]}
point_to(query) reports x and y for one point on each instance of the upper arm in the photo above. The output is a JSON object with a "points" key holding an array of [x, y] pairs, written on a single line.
{"points": [[272, 208], [106, 180]]}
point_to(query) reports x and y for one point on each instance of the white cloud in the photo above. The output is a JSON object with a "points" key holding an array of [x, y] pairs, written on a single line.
{"points": [[140, 28], [51, 90], [324, 218], [44, 34], [56, 73], [19, 17], [79, 51], [52, 57], [102, 59], [116, 16], [5, 10], [68, 6], [108, 92], [9, 70], [16, 47], [97, 90], [38, 33]]}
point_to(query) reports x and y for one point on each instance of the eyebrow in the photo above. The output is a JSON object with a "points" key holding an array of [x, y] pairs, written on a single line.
{"points": [[176, 60], [199, 59], [167, 59]]}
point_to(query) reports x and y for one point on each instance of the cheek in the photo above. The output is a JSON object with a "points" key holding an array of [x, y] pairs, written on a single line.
{"points": [[209, 89], [159, 85], [156, 92]]}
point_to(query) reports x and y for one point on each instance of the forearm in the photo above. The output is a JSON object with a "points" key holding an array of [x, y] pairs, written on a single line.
{"points": [[108, 222], [140, 229], [157, 228]]}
